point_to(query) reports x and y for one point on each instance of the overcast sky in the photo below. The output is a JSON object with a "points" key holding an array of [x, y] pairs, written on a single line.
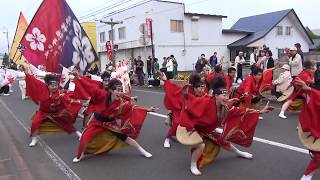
{"points": [[307, 10]]}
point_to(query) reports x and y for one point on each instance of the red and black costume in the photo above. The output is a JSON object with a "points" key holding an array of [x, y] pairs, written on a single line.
{"points": [[57, 112]]}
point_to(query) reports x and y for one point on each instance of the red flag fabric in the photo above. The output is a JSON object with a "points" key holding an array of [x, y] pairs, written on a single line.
{"points": [[55, 37], [240, 126], [309, 116]]}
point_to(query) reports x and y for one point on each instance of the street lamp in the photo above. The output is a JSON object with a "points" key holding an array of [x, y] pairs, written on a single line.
{"points": [[6, 32]]}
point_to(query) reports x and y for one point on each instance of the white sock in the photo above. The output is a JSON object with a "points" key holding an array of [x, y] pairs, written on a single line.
{"points": [[194, 169], [144, 152], [306, 177], [34, 141], [75, 160], [244, 154], [166, 143], [79, 134]]}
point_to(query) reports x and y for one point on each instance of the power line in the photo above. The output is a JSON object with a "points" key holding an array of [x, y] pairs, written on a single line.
{"points": [[95, 8], [104, 9], [157, 12]]}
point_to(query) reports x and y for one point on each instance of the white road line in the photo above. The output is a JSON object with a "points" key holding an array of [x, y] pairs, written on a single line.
{"points": [[71, 175], [162, 93], [139, 90], [265, 141]]}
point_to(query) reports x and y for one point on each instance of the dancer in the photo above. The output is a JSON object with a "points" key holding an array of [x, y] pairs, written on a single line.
{"points": [[116, 121], [57, 110], [201, 115], [309, 129], [195, 87], [248, 91]]}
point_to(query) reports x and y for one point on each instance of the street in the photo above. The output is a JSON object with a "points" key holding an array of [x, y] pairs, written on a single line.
{"points": [[278, 153]]}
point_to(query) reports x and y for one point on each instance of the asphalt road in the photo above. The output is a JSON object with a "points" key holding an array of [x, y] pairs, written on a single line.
{"points": [[273, 158]]}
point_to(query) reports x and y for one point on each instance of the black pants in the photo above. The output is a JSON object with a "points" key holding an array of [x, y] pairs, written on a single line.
{"points": [[140, 77], [122, 137], [170, 75], [149, 73], [4, 89], [155, 82], [99, 117], [239, 72]]}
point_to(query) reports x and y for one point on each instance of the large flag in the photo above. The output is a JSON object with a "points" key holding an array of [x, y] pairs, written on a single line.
{"points": [[15, 54], [55, 37]]}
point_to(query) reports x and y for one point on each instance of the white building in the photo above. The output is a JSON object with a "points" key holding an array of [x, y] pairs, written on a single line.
{"points": [[277, 30], [187, 35]]}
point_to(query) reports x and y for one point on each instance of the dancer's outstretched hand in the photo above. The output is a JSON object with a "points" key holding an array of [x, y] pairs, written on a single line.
{"points": [[267, 108], [134, 98], [152, 109]]}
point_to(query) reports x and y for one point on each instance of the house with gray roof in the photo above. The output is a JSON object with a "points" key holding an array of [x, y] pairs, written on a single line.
{"points": [[277, 30]]}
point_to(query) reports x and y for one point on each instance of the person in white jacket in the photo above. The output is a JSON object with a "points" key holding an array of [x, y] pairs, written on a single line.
{"points": [[21, 77], [283, 81], [169, 66], [238, 65], [253, 57], [295, 62]]}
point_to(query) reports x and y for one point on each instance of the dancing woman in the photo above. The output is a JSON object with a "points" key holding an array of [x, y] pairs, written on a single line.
{"points": [[57, 109], [116, 122]]}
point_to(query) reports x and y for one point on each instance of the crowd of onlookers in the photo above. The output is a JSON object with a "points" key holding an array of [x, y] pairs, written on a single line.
{"points": [[150, 77]]}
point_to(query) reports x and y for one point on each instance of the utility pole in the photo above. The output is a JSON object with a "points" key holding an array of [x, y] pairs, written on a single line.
{"points": [[112, 24]]}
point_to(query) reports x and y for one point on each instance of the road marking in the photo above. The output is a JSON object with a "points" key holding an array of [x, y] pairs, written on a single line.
{"points": [[71, 175], [3, 160], [162, 93], [265, 141], [139, 90]]}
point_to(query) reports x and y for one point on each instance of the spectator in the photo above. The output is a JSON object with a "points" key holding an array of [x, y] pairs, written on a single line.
{"points": [[317, 77], [139, 71], [163, 65], [298, 46], [253, 57], [283, 81], [175, 65], [261, 58], [201, 63], [149, 66], [238, 64], [156, 65], [225, 63], [268, 62], [213, 60], [295, 62], [169, 67], [4, 85]]}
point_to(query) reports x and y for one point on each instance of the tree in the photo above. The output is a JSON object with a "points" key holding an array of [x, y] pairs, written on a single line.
{"points": [[5, 61]]}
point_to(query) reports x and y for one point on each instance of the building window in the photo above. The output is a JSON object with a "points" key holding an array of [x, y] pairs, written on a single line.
{"points": [[122, 32], [111, 35], [102, 37], [279, 30], [288, 30], [176, 25], [194, 29]]}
